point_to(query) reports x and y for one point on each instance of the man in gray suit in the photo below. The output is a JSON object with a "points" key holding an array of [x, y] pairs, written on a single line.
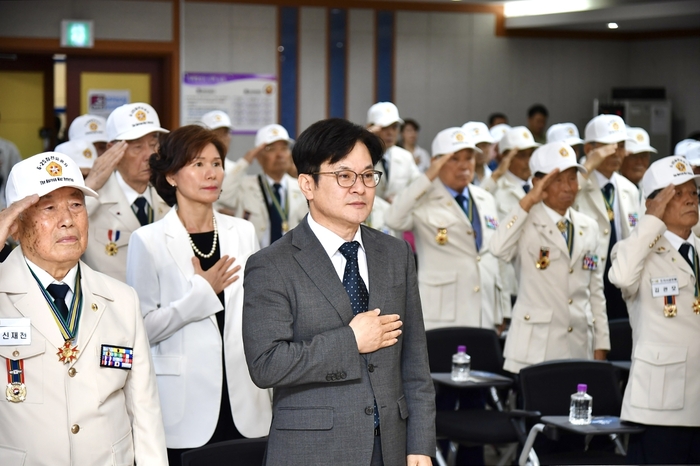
{"points": [[350, 387]]}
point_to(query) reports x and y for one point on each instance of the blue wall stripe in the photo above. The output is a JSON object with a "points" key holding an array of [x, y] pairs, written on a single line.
{"points": [[289, 68], [384, 69], [337, 62]]}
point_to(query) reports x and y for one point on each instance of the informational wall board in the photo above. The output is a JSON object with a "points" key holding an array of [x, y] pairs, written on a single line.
{"points": [[249, 99], [101, 102]]}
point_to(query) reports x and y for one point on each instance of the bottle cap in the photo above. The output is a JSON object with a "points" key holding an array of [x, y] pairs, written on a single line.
{"points": [[582, 387], [461, 349]]}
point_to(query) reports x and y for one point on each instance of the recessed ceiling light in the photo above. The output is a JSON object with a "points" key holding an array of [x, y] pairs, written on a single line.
{"points": [[612, 26]]}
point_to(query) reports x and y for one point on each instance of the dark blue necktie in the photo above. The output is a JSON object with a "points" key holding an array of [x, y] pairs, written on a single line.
{"points": [[356, 290], [275, 218], [58, 293], [385, 163], [609, 198], [526, 188], [352, 281], [141, 208], [469, 208]]}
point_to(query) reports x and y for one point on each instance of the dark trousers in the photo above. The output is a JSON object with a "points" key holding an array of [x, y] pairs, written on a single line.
{"points": [[377, 458], [665, 445], [614, 304]]}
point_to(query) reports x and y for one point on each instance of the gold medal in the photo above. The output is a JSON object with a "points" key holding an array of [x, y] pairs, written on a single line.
{"points": [[543, 262], [561, 226], [670, 310], [16, 392], [611, 215], [111, 249], [696, 306], [67, 353], [441, 237], [285, 226]]}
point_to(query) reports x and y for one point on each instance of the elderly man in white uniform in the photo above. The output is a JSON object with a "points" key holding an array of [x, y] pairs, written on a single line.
{"points": [[608, 198], [121, 177], [560, 311], [658, 270], [453, 222], [80, 383]]}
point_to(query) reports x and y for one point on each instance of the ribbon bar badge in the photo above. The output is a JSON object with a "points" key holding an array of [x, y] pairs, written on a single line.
{"points": [[111, 249], [16, 391], [117, 357]]}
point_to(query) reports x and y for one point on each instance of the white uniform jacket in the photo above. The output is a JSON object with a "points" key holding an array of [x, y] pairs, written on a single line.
{"points": [[179, 310], [79, 413], [664, 383], [560, 311], [377, 217], [589, 201], [111, 212], [402, 171], [458, 284]]}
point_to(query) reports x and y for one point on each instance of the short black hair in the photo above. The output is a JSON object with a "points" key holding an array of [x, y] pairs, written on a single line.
{"points": [[331, 141], [537, 108], [410, 122], [496, 116], [177, 150], [694, 135]]}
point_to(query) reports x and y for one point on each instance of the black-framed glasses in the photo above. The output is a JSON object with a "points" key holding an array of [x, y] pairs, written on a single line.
{"points": [[347, 178]]}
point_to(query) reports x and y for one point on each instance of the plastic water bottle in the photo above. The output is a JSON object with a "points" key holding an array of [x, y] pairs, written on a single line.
{"points": [[581, 406], [461, 363]]}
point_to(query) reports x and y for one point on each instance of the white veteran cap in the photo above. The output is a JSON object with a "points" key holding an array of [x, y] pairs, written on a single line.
{"points": [[670, 170], [606, 129], [80, 150], [478, 132], [638, 141], [42, 173], [682, 146], [88, 127], [132, 121], [564, 132], [554, 155], [519, 138], [216, 119], [692, 153], [272, 133], [451, 140], [498, 131], [383, 114]]}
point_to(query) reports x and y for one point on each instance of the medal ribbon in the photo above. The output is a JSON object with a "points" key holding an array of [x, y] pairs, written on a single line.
{"points": [[570, 236], [278, 207], [609, 198], [15, 371], [68, 328], [696, 269], [116, 234]]}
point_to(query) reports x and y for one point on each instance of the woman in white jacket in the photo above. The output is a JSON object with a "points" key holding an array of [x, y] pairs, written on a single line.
{"points": [[187, 271]]}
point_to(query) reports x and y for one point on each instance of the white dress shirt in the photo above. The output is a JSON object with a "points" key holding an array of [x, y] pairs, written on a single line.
{"points": [[130, 193], [332, 242], [46, 279]]}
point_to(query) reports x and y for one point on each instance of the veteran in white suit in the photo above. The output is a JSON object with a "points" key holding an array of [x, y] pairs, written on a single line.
{"points": [[120, 176], [560, 311], [397, 164], [186, 269], [272, 201], [453, 222], [656, 268], [93, 402], [608, 197]]}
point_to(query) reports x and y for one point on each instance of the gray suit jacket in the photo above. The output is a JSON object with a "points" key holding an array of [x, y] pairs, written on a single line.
{"points": [[297, 340]]}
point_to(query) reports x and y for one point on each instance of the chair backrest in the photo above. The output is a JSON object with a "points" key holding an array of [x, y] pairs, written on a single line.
{"points": [[620, 340], [482, 345], [243, 452], [547, 387]]}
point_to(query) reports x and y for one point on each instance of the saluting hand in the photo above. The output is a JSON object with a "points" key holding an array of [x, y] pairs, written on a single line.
{"points": [[504, 164], [255, 152], [657, 205], [537, 193], [373, 332], [220, 275], [8, 226], [595, 157], [105, 165], [436, 164]]}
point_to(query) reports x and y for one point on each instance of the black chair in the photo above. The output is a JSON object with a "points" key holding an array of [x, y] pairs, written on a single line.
{"points": [[547, 388], [620, 340], [473, 427], [243, 452]]}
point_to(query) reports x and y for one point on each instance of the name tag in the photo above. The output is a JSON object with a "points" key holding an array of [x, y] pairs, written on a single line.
{"points": [[661, 287], [15, 332]]}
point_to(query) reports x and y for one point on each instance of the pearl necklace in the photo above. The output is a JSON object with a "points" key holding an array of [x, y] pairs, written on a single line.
{"points": [[213, 246]]}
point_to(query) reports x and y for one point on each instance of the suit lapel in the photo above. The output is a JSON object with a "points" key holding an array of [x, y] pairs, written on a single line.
{"points": [[228, 241], [440, 195], [597, 197], [376, 270], [312, 258], [120, 209], [94, 297], [580, 232]]}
